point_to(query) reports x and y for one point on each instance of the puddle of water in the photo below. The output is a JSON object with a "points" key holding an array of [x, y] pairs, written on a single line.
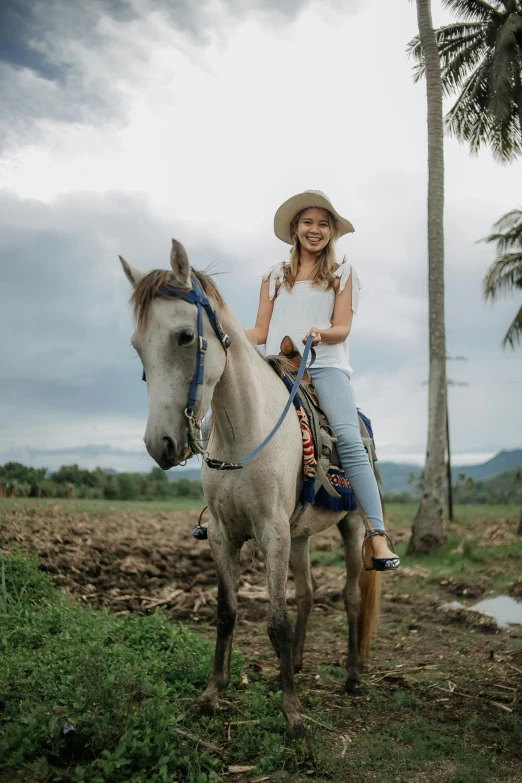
{"points": [[504, 609]]}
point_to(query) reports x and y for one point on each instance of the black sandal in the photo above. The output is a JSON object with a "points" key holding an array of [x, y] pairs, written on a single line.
{"points": [[380, 563]]}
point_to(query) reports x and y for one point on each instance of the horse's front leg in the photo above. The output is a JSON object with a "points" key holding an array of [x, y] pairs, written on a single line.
{"points": [[352, 533], [276, 549], [226, 559], [300, 565]]}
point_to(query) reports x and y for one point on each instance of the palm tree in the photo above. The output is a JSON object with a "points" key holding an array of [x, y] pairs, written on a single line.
{"points": [[505, 273], [428, 529], [481, 59]]}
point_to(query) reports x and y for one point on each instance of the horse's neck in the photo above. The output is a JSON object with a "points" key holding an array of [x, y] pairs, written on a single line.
{"points": [[247, 397]]}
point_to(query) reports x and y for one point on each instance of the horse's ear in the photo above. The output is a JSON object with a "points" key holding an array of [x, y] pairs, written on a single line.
{"points": [[180, 264], [133, 275]]}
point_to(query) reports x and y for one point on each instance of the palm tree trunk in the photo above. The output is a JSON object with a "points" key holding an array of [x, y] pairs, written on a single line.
{"points": [[428, 528]]}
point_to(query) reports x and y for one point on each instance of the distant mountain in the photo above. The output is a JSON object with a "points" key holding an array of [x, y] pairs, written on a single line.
{"points": [[504, 460], [395, 477]]}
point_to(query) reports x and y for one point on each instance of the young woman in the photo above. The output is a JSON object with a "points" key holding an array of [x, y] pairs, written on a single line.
{"points": [[314, 295]]}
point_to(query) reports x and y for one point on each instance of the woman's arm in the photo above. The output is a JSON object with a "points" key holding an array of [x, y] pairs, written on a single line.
{"points": [[259, 333], [341, 319]]}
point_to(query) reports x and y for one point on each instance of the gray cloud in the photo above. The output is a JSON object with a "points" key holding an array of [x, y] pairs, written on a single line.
{"points": [[69, 376], [68, 61], [71, 381], [64, 303]]}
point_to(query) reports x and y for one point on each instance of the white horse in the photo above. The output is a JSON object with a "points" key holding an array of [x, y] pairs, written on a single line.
{"points": [[257, 502]]}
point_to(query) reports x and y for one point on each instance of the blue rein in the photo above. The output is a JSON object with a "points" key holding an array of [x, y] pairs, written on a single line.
{"points": [[197, 296], [218, 465]]}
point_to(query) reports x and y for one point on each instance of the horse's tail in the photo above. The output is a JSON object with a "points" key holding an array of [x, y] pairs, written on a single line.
{"points": [[370, 584]]}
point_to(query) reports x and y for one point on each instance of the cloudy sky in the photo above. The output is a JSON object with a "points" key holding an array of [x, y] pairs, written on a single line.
{"points": [[126, 122]]}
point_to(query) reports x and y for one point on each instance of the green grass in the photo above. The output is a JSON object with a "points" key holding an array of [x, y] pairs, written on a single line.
{"points": [[122, 682], [126, 684], [98, 507], [447, 560], [401, 514]]}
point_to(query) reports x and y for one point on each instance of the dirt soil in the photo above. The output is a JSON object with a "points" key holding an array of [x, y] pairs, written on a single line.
{"points": [[460, 662]]}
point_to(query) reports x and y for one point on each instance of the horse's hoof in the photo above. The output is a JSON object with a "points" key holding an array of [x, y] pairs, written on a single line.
{"points": [[205, 705], [354, 687], [296, 732]]}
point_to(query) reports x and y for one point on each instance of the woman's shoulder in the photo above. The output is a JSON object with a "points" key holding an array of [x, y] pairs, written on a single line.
{"points": [[343, 272], [276, 275], [275, 271]]}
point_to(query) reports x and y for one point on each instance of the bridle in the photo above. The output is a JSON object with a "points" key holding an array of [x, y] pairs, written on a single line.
{"points": [[196, 296]]}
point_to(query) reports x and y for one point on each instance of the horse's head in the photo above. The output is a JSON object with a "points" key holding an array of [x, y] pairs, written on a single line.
{"points": [[168, 342]]}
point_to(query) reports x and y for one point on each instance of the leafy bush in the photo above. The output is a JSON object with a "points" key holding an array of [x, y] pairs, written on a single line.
{"points": [[70, 481], [117, 686]]}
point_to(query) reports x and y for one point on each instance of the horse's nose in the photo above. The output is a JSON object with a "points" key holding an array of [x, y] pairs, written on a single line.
{"points": [[169, 447], [162, 449]]}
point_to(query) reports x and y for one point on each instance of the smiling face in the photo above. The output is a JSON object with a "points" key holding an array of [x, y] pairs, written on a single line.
{"points": [[314, 230]]}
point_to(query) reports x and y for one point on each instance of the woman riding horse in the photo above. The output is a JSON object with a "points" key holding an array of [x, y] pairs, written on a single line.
{"points": [[314, 295], [195, 353]]}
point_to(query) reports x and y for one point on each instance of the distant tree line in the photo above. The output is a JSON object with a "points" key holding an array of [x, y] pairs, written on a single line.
{"points": [[503, 489], [70, 481]]}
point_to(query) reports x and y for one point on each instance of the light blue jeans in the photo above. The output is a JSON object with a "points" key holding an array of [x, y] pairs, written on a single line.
{"points": [[336, 398]]}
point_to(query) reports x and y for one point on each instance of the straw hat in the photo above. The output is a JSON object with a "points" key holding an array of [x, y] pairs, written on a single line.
{"points": [[310, 198]]}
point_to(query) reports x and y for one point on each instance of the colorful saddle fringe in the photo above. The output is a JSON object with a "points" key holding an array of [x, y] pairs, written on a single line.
{"points": [[335, 474]]}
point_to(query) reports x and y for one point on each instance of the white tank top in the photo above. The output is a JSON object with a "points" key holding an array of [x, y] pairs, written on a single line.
{"points": [[296, 311]]}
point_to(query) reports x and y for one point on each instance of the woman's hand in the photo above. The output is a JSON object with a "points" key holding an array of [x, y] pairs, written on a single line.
{"points": [[316, 334]]}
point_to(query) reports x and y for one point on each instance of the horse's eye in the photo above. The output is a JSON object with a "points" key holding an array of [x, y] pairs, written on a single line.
{"points": [[186, 337]]}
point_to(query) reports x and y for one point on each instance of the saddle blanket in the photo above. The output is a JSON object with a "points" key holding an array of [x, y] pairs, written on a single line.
{"points": [[335, 473]]}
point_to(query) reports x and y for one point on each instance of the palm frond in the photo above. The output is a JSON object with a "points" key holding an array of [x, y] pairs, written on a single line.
{"points": [[504, 275], [458, 61], [510, 220], [514, 333], [451, 41], [471, 119], [507, 62], [508, 234], [467, 117], [473, 10], [504, 138]]}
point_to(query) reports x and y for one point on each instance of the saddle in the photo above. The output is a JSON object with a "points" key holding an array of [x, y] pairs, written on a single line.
{"points": [[324, 438]]}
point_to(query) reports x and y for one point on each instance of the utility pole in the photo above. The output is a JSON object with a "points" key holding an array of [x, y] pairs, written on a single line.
{"points": [[448, 464], [450, 382]]}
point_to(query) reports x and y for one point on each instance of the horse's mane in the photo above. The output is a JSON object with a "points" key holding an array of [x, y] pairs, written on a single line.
{"points": [[149, 288], [279, 364]]}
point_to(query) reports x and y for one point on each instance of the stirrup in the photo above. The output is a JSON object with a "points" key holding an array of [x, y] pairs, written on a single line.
{"points": [[199, 531], [380, 563]]}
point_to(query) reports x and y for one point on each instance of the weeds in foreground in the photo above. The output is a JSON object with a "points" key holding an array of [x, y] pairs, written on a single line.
{"points": [[88, 696]]}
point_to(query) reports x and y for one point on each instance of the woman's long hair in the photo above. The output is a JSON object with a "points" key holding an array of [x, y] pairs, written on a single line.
{"points": [[326, 264]]}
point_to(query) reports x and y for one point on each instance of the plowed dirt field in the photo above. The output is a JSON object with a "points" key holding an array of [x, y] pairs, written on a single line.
{"points": [[458, 663]]}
